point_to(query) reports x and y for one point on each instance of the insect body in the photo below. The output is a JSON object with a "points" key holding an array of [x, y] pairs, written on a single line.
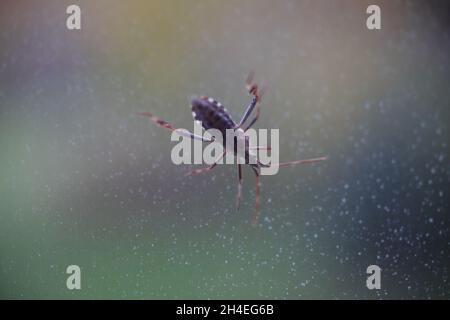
{"points": [[213, 115]]}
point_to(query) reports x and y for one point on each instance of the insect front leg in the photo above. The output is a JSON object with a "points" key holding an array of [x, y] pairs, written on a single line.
{"points": [[253, 90], [248, 111]]}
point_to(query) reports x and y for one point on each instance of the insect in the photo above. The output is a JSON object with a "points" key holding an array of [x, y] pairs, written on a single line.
{"points": [[213, 115]]}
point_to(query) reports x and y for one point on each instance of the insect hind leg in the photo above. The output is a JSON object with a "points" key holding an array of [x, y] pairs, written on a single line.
{"points": [[255, 218], [239, 193]]}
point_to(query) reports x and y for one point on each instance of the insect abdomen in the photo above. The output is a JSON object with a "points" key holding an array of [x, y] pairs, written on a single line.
{"points": [[211, 114]]}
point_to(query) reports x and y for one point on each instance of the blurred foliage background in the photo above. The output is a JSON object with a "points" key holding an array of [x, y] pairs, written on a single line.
{"points": [[85, 181]]}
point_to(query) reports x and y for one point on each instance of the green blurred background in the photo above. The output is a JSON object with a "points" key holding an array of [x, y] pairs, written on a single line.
{"points": [[85, 181]]}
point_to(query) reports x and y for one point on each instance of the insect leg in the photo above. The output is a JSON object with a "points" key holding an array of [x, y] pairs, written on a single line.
{"points": [[258, 111], [261, 148], [197, 171], [181, 132], [254, 119], [248, 111], [253, 90], [293, 163], [257, 209], [239, 194]]}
